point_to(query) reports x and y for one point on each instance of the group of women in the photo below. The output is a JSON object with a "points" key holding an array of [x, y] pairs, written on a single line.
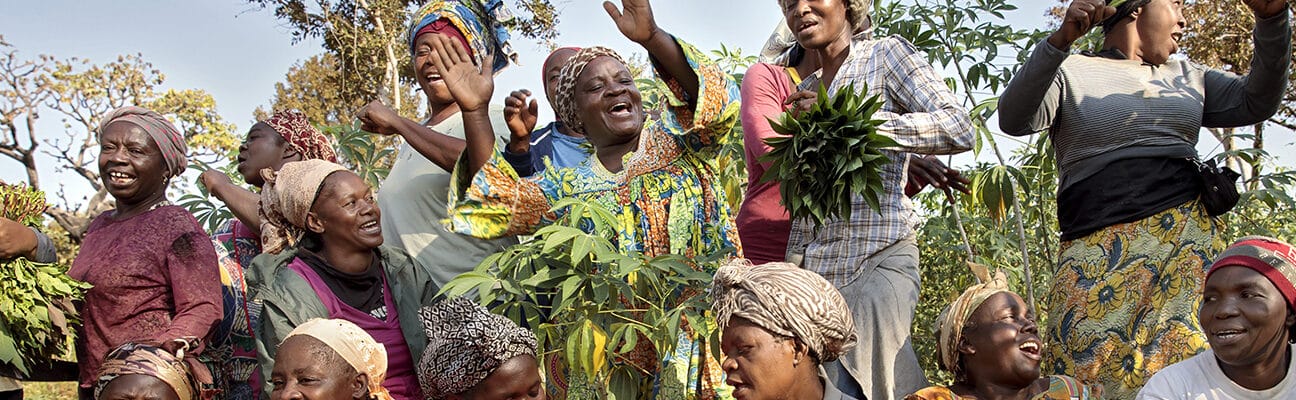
{"points": [[319, 288]]}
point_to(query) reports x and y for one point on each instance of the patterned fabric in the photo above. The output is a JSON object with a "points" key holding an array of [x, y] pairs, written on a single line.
{"points": [[482, 22], [231, 354], [466, 343], [141, 359], [923, 116], [1124, 299], [286, 198], [565, 94], [302, 136], [1060, 388], [238, 241], [1273, 258], [550, 59], [168, 139], [951, 321], [782, 40], [355, 346], [787, 301]]}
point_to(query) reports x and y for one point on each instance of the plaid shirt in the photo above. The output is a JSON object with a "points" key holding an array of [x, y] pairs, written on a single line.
{"points": [[923, 115]]}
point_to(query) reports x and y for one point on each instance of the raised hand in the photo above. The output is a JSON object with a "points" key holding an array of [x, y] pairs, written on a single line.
{"points": [[634, 19], [521, 120], [470, 85], [377, 117], [1081, 16], [214, 178], [1266, 8]]}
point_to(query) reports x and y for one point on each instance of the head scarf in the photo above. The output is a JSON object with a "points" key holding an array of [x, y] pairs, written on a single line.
{"points": [[144, 359], [782, 40], [565, 95], [549, 62], [169, 139], [950, 323], [302, 136], [287, 197], [788, 301], [1270, 257], [465, 344], [1122, 11], [356, 346], [480, 22]]}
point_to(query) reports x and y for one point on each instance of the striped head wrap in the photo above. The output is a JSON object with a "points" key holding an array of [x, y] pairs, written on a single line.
{"points": [[1270, 257], [952, 320], [565, 94], [481, 22], [356, 346], [287, 197], [466, 343], [293, 126], [168, 139], [175, 370], [785, 300]]}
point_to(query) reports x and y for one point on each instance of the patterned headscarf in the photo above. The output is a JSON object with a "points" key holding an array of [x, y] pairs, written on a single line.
{"points": [[565, 95], [356, 346], [465, 344], [782, 40], [286, 198], [548, 62], [481, 22], [302, 136], [788, 301], [952, 320], [1270, 257], [169, 139], [143, 359]]}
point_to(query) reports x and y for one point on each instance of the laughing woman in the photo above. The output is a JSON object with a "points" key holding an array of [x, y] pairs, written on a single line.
{"points": [[323, 241], [1124, 123]]}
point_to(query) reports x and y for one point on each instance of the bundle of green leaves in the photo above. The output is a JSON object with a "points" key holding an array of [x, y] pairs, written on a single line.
{"points": [[36, 311], [827, 154]]}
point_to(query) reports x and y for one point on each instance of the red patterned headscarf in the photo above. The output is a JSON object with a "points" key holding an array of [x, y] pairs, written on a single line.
{"points": [[1270, 257], [302, 136]]}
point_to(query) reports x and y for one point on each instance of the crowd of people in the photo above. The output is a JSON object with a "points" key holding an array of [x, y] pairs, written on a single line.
{"points": [[320, 287]]}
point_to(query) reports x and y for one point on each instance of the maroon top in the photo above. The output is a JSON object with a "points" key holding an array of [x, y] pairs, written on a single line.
{"points": [[763, 222], [155, 279]]}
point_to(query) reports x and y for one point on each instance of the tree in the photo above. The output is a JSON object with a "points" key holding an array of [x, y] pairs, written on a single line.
{"points": [[79, 92]]}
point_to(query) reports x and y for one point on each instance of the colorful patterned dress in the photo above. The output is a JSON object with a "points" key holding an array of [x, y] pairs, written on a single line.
{"points": [[231, 356], [1060, 388], [667, 198]]}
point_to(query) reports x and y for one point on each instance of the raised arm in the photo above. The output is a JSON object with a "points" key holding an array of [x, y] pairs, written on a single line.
{"points": [[241, 202], [636, 22], [471, 86], [1233, 100], [437, 147]]}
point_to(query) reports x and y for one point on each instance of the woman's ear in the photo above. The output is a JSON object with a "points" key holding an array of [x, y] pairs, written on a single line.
{"points": [[965, 347], [313, 223], [360, 386]]}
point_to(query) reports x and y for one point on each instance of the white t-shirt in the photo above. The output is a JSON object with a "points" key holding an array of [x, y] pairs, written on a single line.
{"points": [[1200, 378]]}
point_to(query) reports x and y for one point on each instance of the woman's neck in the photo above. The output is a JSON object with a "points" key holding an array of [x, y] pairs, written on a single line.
{"points": [[611, 156], [441, 111], [347, 260], [127, 210], [1265, 374], [832, 57], [1123, 39]]}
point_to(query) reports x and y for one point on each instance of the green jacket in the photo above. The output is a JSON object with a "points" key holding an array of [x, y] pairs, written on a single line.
{"points": [[287, 300]]}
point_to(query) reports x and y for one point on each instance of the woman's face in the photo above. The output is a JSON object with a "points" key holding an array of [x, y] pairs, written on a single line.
{"points": [[263, 148], [345, 213], [608, 103], [307, 369], [1245, 317], [758, 364], [425, 72], [137, 387], [1001, 342], [515, 379], [1160, 26], [130, 163], [555, 63], [816, 23]]}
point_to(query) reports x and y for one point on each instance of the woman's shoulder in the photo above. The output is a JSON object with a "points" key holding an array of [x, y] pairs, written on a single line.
{"points": [[1066, 388]]}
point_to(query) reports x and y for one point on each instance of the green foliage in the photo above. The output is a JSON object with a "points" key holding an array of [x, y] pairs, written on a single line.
{"points": [[361, 152], [591, 302], [36, 311], [201, 203], [828, 154]]}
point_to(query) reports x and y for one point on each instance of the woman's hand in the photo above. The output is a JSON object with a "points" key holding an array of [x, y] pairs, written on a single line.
{"points": [[471, 86], [801, 101], [213, 179], [1080, 17], [521, 120], [377, 117], [1266, 8], [635, 19], [929, 170], [16, 240]]}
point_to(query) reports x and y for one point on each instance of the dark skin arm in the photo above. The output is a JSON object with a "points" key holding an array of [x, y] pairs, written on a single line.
{"points": [[442, 150], [635, 20], [471, 87], [16, 240], [241, 202]]}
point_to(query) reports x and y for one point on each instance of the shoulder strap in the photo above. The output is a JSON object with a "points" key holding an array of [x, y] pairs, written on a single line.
{"points": [[792, 73]]}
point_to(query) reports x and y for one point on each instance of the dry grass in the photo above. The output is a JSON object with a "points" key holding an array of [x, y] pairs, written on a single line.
{"points": [[50, 390]]}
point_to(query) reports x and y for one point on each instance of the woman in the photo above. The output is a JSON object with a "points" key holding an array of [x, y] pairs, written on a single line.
{"points": [[872, 257], [529, 148], [1124, 125], [473, 354], [1248, 311], [989, 341], [323, 240], [136, 371], [284, 137], [774, 315], [329, 359], [152, 266]]}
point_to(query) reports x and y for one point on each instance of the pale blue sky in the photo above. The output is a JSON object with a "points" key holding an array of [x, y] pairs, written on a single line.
{"points": [[237, 52]]}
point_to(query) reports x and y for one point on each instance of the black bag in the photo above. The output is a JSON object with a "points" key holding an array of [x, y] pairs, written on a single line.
{"points": [[1219, 187]]}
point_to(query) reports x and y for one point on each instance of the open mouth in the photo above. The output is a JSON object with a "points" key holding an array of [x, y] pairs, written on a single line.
{"points": [[119, 178], [740, 390], [806, 25], [1225, 336], [432, 76], [371, 227], [1032, 348], [620, 109]]}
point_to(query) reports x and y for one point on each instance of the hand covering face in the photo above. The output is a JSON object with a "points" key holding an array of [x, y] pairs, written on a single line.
{"points": [[286, 199], [787, 301], [481, 23], [356, 346], [465, 344], [168, 139]]}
